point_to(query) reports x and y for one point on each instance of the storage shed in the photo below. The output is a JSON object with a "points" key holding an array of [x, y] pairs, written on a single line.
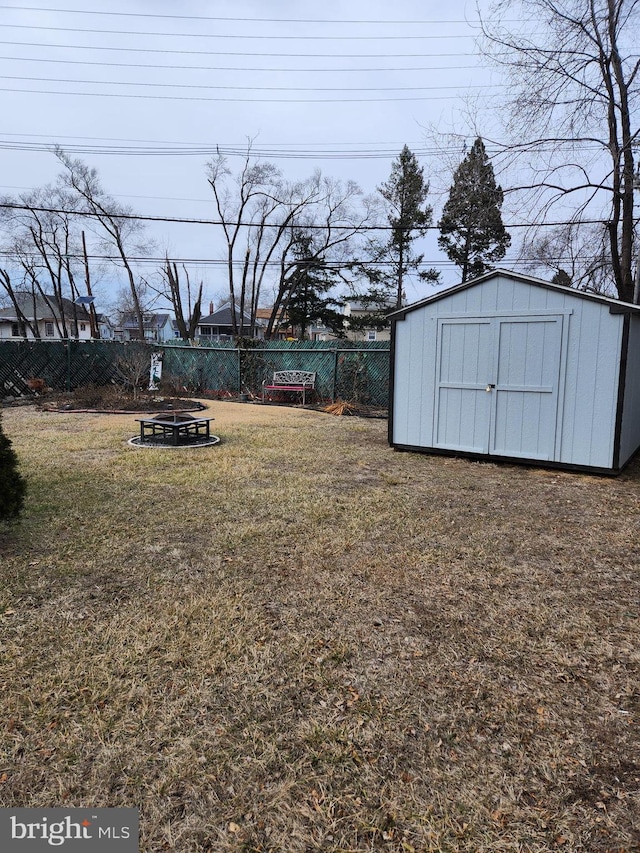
{"points": [[509, 367]]}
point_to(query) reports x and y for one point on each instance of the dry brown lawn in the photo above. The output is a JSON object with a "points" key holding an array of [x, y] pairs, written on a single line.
{"points": [[301, 640]]}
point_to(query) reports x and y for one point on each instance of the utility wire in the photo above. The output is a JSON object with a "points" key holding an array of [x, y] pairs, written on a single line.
{"points": [[147, 218], [242, 36], [355, 263], [235, 68], [223, 262], [225, 18], [243, 88], [94, 48], [205, 151], [292, 150], [234, 100]]}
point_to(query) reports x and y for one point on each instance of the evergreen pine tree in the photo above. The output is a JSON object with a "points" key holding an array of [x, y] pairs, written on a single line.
{"points": [[471, 229], [311, 298], [12, 484], [409, 215]]}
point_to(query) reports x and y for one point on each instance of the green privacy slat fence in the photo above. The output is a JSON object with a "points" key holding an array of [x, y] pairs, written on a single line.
{"points": [[202, 371], [61, 364], [351, 371], [357, 372]]}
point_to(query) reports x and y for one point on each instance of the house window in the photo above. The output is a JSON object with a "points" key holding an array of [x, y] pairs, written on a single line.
{"points": [[48, 330], [371, 335], [15, 330], [83, 327]]}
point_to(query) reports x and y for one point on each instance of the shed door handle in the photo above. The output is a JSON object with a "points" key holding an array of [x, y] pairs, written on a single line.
{"points": [[490, 386]]}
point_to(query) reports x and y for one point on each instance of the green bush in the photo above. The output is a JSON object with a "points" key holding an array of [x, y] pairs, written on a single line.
{"points": [[12, 484]]}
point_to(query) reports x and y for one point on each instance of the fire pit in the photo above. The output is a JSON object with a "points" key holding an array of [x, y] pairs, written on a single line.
{"points": [[174, 431]]}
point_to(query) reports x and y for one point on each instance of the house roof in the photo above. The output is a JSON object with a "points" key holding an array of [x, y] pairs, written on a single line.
{"points": [[369, 308], [615, 305], [46, 308], [265, 313], [223, 317], [149, 321]]}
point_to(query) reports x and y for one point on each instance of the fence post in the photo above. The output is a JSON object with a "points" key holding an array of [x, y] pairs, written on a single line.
{"points": [[335, 376], [68, 364]]}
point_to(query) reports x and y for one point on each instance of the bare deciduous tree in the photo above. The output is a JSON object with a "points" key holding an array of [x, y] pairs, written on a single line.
{"points": [[133, 367], [244, 210], [44, 243], [573, 68], [262, 218], [576, 254], [187, 324], [120, 229], [336, 220]]}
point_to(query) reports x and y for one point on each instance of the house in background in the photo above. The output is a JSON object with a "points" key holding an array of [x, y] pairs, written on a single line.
{"points": [[44, 319], [105, 328], [218, 326], [281, 328], [158, 328], [358, 310], [317, 331]]}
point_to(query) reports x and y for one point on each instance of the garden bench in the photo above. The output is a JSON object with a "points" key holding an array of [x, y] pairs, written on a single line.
{"points": [[297, 381]]}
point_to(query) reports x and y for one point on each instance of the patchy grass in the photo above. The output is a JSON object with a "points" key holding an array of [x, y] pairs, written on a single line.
{"points": [[301, 640]]}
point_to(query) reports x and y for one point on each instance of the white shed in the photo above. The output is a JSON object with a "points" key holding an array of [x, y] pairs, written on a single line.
{"points": [[509, 367]]}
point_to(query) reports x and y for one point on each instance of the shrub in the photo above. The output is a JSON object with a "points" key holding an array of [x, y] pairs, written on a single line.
{"points": [[132, 369], [12, 484]]}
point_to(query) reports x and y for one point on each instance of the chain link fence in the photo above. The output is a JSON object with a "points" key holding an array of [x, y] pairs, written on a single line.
{"points": [[357, 372]]}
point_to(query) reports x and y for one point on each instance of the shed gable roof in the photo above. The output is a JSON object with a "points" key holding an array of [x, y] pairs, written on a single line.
{"points": [[615, 305]]}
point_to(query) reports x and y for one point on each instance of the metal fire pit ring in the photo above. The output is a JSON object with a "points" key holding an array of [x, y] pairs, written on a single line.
{"points": [[134, 441], [174, 431]]}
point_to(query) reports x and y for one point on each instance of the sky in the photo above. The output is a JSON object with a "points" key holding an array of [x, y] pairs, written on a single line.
{"points": [[146, 92]]}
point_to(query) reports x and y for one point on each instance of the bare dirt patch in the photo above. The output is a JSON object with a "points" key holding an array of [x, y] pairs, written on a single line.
{"points": [[96, 398]]}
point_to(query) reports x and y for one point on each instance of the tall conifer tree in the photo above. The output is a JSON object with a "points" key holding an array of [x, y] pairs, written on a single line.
{"points": [[471, 229], [409, 215]]}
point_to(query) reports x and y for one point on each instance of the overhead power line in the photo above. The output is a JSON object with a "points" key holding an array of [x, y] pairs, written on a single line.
{"points": [[94, 48], [332, 69], [251, 88], [222, 262], [147, 147], [162, 149], [155, 261], [245, 20], [225, 36], [200, 98], [276, 149], [184, 221], [208, 151]]}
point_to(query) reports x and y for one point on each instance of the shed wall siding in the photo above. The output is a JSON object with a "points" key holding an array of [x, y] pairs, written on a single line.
{"points": [[591, 390], [630, 435], [592, 337]]}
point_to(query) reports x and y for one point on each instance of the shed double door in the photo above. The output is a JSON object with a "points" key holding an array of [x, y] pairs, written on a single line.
{"points": [[498, 385]]}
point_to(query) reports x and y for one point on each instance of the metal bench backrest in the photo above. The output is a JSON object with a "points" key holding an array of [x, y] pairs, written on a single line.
{"points": [[294, 377]]}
